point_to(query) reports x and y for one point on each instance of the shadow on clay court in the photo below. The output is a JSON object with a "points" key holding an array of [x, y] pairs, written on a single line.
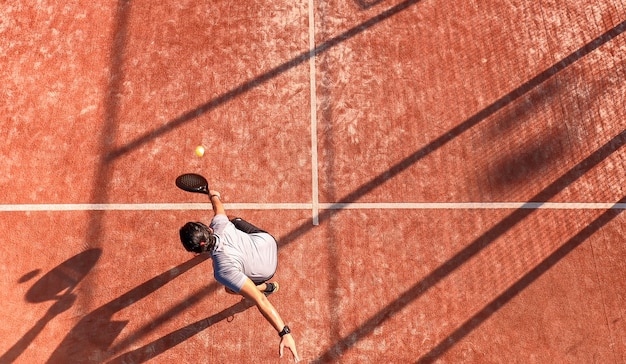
{"points": [[247, 86], [103, 314], [537, 150], [174, 338], [486, 312], [96, 331], [366, 4], [56, 285], [493, 233], [444, 270]]}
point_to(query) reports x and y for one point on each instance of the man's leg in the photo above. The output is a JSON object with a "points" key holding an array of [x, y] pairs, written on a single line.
{"points": [[261, 287], [245, 226]]}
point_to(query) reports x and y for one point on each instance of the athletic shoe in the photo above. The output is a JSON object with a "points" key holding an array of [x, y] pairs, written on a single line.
{"points": [[271, 288]]}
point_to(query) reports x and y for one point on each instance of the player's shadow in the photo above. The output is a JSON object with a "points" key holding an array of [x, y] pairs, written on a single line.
{"points": [[93, 335], [174, 338], [56, 285]]}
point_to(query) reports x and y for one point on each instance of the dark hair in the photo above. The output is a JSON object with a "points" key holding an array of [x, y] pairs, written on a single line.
{"points": [[196, 237]]}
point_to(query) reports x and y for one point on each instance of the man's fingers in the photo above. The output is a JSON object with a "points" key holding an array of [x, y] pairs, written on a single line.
{"points": [[294, 352]]}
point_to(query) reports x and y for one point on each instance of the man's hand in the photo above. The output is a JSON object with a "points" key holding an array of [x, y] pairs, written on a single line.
{"points": [[251, 292], [287, 342]]}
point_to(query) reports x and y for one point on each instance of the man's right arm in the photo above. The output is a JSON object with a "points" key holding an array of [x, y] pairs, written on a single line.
{"points": [[216, 202]]}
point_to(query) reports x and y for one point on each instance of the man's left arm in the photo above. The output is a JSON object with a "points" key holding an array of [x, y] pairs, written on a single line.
{"points": [[250, 291]]}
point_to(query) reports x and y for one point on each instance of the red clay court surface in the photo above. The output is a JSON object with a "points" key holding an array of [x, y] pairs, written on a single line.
{"points": [[445, 179]]}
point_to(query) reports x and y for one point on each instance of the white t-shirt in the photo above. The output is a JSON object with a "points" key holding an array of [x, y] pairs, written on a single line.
{"points": [[238, 255]]}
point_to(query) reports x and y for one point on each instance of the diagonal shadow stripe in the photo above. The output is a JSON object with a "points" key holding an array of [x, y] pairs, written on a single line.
{"points": [[174, 338], [456, 261], [249, 85], [484, 113], [520, 285], [471, 250]]}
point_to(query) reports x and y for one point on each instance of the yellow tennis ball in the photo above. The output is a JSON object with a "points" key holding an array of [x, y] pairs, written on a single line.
{"points": [[199, 151]]}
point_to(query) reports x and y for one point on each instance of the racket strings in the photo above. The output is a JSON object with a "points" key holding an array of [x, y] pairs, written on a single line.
{"points": [[192, 181]]}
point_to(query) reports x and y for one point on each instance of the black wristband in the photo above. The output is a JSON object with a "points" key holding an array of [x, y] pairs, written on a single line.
{"points": [[285, 331]]}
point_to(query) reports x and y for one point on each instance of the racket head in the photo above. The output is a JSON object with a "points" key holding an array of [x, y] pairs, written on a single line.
{"points": [[192, 182]]}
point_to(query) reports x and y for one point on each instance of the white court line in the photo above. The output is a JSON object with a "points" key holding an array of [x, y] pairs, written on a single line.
{"points": [[150, 207], [323, 206], [313, 90], [479, 205]]}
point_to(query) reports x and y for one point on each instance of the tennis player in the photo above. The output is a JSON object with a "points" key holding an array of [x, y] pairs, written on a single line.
{"points": [[244, 260]]}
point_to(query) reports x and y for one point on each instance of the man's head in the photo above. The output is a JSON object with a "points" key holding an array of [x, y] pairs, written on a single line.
{"points": [[197, 237]]}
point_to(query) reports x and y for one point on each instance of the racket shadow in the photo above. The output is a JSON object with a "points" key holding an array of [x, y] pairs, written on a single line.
{"points": [[157, 347]]}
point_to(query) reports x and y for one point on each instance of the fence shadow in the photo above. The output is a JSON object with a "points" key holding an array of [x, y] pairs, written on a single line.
{"points": [[82, 340], [499, 229], [486, 312]]}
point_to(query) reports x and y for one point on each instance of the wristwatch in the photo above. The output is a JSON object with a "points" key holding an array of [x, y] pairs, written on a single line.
{"points": [[285, 331]]}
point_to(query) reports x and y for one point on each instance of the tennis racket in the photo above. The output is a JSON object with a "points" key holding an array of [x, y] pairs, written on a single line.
{"points": [[192, 182]]}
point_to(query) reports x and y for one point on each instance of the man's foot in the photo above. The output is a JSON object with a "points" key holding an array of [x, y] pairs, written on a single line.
{"points": [[270, 288]]}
